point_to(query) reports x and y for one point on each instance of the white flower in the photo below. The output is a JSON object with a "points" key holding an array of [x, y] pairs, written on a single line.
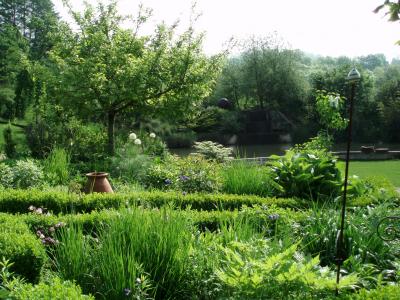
{"points": [[137, 142], [334, 101], [132, 136], [152, 135]]}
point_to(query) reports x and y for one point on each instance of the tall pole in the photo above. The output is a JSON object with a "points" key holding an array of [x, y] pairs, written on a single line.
{"points": [[353, 77]]}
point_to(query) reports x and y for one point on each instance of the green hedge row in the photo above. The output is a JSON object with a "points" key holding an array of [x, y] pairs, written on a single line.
{"points": [[18, 201], [20, 246]]}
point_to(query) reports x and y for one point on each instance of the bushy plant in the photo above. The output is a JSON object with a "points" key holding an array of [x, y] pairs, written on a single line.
{"points": [[25, 251], [213, 151], [244, 178], [309, 174], [9, 144], [57, 167], [6, 176], [181, 139], [133, 251], [259, 270], [27, 173], [189, 174]]}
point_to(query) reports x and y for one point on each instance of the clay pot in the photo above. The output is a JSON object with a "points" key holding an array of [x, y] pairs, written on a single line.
{"points": [[97, 183]]}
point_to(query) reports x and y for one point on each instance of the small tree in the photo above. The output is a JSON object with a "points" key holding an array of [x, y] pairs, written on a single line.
{"points": [[9, 144], [104, 70]]}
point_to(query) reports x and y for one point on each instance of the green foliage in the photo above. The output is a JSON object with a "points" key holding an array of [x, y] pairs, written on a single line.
{"points": [[189, 174], [383, 292], [26, 174], [181, 139], [261, 271], [244, 178], [213, 151], [309, 175], [14, 201], [137, 243], [6, 176], [9, 144], [56, 167], [329, 107], [54, 289], [24, 250]]}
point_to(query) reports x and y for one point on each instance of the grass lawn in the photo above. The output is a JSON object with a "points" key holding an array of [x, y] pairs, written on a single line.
{"points": [[388, 168]]}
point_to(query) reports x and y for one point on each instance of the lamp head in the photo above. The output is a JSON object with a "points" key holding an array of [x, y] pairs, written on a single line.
{"points": [[353, 76]]}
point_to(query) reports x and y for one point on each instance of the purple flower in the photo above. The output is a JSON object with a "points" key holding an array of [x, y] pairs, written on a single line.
{"points": [[127, 292], [184, 178], [273, 217], [167, 181]]}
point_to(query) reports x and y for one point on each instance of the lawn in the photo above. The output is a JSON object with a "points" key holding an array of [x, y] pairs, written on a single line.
{"points": [[388, 168]]}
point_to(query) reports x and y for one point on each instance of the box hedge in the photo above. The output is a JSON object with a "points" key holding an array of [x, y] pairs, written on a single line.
{"points": [[18, 201]]}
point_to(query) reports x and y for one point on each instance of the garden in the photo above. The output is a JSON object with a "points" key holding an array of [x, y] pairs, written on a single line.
{"points": [[209, 225]]}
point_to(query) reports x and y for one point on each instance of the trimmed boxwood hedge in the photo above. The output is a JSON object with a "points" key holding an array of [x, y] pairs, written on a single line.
{"points": [[21, 247], [18, 201]]}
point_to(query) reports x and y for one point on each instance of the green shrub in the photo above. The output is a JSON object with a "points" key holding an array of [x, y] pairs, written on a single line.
{"points": [[57, 166], [384, 292], [25, 251], [213, 151], [6, 176], [18, 201], [55, 289], [244, 178], [189, 174], [308, 175], [261, 269], [26, 174], [181, 139], [9, 144]]}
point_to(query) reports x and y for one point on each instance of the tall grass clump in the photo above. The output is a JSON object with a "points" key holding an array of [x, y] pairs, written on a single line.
{"points": [[57, 166], [140, 254], [243, 178]]}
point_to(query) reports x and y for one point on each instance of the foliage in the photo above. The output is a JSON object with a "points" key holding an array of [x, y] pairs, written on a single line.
{"points": [[384, 292], [257, 270], [56, 167], [6, 175], [329, 106], [18, 201], [309, 175], [26, 174], [9, 144], [25, 251], [142, 247], [213, 151], [181, 139], [113, 61], [189, 174], [244, 178]]}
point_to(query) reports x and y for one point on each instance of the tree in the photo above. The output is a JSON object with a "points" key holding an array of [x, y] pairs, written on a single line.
{"points": [[104, 70]]}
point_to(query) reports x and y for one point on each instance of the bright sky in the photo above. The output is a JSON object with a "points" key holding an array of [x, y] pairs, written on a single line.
{"points": [[325, 27]]}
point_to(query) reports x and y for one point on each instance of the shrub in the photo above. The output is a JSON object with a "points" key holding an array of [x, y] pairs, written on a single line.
{"points": [[26, 253], [55, 289], [9, 144], [261, 270], [189, 174], [26, 174], [309, 175], [6, 176], [14, 201], [383, 292], [244, 178], [181, 139], [56, 167], [213, 151]]}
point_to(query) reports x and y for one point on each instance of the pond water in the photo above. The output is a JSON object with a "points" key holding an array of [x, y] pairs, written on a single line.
{"points": [[279, 149]]}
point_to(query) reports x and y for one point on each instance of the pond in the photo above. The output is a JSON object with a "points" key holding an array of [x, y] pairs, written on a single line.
{"points": [[279, 149]]}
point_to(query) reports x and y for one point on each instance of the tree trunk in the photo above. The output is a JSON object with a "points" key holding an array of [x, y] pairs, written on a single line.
{"points": [[111, 123]]}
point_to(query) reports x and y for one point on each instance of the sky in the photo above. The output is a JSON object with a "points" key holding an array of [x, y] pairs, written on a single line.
{"points": [[323, 27]]}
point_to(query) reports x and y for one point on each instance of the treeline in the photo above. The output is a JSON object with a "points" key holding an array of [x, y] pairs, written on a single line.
{"points": [[267, 75], [86, 87]]}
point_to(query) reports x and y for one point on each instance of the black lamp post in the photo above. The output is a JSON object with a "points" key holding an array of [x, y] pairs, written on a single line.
{"points": [[353, 77]]}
